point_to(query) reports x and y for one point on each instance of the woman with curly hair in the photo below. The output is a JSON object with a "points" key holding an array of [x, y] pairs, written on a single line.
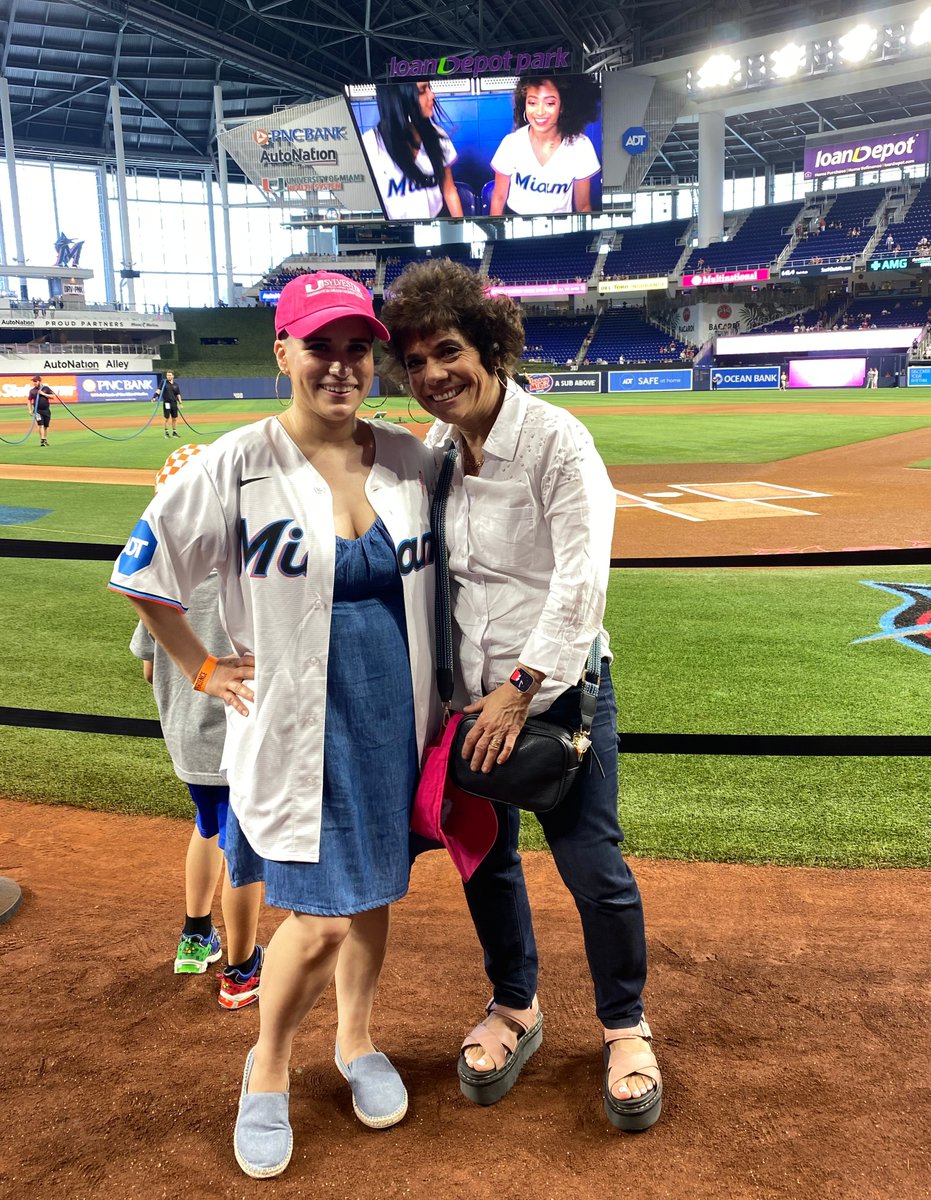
{"points": [[529, 526], [411, 155], [546, 165]]}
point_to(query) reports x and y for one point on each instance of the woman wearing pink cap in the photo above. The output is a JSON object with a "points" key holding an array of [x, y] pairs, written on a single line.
{"points": [[318, 526]]}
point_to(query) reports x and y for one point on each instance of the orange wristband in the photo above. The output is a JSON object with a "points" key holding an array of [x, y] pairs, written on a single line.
{"points": [[202, 678]]}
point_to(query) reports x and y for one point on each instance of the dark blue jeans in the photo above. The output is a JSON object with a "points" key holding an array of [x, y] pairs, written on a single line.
{"points": [[584, 835]]}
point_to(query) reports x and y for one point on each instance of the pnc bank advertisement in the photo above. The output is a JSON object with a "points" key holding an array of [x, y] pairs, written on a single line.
{"points": [[77, 389]]}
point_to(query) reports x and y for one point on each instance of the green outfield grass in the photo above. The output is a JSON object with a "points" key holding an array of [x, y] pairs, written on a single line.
{"points": [[655, 436], [756, 651], [698, 651], [78, 512], [725, 438]]}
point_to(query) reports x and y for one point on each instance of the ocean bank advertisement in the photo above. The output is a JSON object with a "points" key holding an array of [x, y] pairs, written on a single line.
{"points": [[744, 377], [650, 381]]}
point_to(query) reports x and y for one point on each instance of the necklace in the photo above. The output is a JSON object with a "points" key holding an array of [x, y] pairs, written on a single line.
{"points": [[471, 463]]}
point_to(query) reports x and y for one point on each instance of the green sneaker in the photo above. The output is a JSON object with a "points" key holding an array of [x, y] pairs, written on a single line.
{"points": [[195, 952]]}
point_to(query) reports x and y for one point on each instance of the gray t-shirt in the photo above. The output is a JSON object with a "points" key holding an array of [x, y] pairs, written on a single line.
{"points": [[194, 724]]}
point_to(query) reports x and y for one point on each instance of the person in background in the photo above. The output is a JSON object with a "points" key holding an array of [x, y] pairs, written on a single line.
{"points": [[529, 524], [170, 395], [194, 733], [410, 154], [317, 524], [40, 395], [546, 165]]}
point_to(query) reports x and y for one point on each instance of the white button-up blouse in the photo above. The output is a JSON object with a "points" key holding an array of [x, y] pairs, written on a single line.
{"points": [[529, 548]]}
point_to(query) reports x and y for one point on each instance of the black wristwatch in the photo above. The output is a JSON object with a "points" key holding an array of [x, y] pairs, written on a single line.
{"points": [[522, 679]]}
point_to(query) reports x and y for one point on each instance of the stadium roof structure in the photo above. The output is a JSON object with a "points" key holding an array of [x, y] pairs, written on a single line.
{"points": [[60, 58]]}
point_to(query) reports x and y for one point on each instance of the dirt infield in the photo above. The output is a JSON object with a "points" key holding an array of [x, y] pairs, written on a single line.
{"points": [[874, 499], [791, 1009]]}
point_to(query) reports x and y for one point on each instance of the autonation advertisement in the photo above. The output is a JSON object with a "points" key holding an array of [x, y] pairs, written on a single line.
{"points": [[869, 153], [745, 377], [650, 381], [575, 381]]}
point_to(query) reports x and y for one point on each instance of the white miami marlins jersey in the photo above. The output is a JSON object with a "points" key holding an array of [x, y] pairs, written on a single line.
{"points": [[253, 508], [548, 187], [403, 199]]}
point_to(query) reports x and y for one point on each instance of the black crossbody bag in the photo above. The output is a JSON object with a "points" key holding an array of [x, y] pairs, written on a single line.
{"points": [[547, 757]]}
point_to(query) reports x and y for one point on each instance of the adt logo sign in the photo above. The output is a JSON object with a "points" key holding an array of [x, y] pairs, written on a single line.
{"points": [[635, 140]]}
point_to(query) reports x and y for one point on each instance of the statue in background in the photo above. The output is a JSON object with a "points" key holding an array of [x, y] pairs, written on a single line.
{"points": [[68, 251]]}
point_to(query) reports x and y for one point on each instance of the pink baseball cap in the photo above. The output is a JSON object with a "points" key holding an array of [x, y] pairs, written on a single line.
{"points": [[466, 825], [309, 302]]}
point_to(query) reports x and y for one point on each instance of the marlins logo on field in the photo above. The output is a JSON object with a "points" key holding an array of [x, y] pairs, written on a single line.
{"points": [[910, 622]]}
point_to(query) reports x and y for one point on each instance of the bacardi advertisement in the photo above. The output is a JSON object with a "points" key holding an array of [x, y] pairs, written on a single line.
{"points": [[696, 323]]}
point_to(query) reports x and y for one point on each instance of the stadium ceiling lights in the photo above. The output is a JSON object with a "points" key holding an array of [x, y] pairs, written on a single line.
{"points": [[719, 71], [862, 45]]}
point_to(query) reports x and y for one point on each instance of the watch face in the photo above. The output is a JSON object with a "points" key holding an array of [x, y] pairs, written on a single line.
{"points": [[522, 680]]}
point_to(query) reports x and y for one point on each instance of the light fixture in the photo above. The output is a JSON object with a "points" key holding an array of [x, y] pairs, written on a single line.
{"points": [[720, 70], [921, 30], [788, 61], [858, 43]]}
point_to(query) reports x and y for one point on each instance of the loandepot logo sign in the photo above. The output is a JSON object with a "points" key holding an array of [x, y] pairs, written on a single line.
{"points": [[504, 63], [897, 150], [909, 623]]}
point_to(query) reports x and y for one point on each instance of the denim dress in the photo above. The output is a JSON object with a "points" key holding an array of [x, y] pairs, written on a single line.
{"points": [[369, 750]]}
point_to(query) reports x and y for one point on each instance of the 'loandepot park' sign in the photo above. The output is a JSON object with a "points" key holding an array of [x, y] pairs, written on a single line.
{"points": [[506, 62], [886, 150]]}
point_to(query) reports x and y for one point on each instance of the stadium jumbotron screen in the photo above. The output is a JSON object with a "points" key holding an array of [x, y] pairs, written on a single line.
{"points": [[530, 147]]}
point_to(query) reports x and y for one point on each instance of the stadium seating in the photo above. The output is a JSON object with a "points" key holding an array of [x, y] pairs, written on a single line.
{"points": [[625, 332], [847, 229], [554, 339], [563, 259], [396, 260], [907, 234], [645, 250], [757, 242]]}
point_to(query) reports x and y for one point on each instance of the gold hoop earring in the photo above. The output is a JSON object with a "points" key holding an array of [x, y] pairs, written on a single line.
{"points": [[412, 416], [501, 376], [282, 403]]}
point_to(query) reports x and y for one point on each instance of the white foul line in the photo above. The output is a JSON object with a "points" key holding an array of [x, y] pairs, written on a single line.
{"points": [[670, 512]]}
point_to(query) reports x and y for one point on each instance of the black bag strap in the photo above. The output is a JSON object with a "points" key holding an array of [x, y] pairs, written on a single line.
{"points": [[443, 615], [591, 677]]}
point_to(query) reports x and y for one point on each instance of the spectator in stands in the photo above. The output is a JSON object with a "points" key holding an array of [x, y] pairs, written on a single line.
{"points": [[890, 242], [411, 156], [547, 164], [539, 472]]}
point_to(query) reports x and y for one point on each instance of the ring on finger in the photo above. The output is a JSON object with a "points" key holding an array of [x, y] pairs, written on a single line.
{"points": [[495, 743]]}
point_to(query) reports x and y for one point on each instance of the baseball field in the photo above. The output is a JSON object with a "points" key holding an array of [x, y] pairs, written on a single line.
{"points": [[791, 1004]]}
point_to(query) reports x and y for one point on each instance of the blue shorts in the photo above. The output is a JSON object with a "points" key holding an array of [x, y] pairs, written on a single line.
{"points": [[212, 804]]}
